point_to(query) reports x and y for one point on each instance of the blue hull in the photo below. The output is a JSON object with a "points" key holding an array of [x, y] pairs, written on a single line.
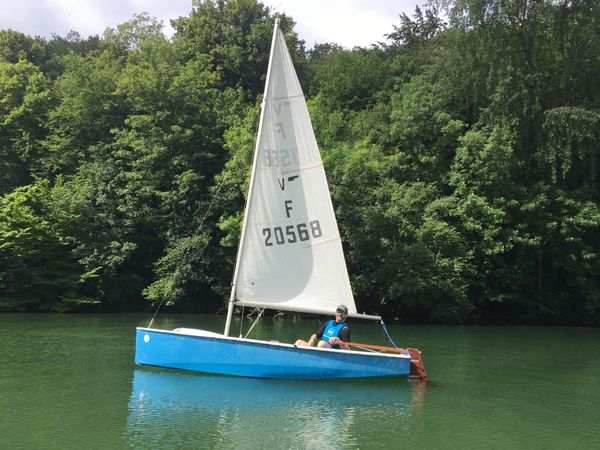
{"points": [[213, 353]]}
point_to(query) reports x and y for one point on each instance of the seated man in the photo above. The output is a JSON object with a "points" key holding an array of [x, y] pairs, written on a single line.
{"points": [[331, 333]]}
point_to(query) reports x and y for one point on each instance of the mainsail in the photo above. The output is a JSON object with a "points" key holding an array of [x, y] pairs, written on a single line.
{"points": [[290, 257]]}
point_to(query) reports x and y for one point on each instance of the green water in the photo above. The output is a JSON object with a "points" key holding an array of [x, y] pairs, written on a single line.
{"points": [[68, 381]]}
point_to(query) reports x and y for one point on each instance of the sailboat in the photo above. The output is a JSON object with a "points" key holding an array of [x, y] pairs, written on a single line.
{"points": [[289, 257]]}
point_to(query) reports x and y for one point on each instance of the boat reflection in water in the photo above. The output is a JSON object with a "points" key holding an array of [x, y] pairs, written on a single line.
{"points": [[178, 409]]}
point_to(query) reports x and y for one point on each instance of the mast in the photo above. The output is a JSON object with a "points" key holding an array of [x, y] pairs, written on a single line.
{"points": [[231, 304]]}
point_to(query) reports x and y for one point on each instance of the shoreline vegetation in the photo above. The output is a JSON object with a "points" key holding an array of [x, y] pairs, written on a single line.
{"points": [[462, 155]]}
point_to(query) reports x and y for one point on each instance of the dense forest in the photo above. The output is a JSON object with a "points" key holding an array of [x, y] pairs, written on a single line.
{"points": [[462, 153]]}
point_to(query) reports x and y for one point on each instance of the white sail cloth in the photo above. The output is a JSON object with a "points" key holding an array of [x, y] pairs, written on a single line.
{"points": [[291, 255]]}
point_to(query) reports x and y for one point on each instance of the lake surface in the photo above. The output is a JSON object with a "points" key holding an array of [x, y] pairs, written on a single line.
{"points": [[69, 381]]}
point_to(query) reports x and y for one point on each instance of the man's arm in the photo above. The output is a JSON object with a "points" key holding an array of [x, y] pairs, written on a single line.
{"points": [[317, 335], [344, 335]]}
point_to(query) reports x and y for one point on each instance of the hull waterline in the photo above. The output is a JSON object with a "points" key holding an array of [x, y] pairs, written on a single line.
{"points": [[206, 352]]}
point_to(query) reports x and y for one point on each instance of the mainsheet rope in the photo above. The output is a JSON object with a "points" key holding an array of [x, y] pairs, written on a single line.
{"points": [[388, 334]]}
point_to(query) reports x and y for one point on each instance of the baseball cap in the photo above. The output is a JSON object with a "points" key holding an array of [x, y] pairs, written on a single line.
{"points": [[342, 309]]}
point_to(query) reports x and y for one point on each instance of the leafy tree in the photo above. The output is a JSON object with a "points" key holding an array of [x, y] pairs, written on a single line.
{"points": [[236, 37], [414, 33], [348, 79], [58, 47], [25, 101], [37, 271], [572, 140], [403, 259], [423, 130], [487, 209], [131, 34], [89, 106], [15, 46]]}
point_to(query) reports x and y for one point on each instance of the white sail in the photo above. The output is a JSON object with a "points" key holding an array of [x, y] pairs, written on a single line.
{"points": [[290, 256]]}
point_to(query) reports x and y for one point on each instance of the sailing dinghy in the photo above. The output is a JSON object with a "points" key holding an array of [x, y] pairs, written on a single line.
{"points": [[290, 257]]}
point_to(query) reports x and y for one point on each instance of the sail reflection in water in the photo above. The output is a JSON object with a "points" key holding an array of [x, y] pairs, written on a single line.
{"points": [[183, 410]]}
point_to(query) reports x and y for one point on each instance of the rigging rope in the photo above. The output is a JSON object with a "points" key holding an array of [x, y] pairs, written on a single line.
{"points": [[255, 322], [199, 228], [155, 313], [242, 321], [388, 334]]}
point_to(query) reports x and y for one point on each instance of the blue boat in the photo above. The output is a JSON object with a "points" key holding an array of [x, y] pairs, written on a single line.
{"points": [[203, 351], [290, 258]]}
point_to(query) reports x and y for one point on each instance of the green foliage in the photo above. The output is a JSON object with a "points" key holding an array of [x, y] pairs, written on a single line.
{"points": [[566, 288], [180, 271], [404, 259], [571, 150], [15, 46], [38, 273], [131, 34], [485, 163], [423, 130], [414, 42], [236, 37], [414, 33], [25, 101], [349, 79], [461, 156], [87, 95]]}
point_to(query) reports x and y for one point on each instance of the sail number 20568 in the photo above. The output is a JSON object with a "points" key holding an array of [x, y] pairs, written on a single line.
{"points": [[291, 234]]}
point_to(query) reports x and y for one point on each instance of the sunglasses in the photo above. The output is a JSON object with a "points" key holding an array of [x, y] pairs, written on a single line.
{"points": [[339, 311]]}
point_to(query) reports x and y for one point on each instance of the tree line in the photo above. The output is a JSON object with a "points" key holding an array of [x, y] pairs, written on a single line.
{"points": [[462, 154]]}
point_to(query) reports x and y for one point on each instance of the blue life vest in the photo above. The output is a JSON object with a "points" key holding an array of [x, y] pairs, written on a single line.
{"points": [[332, 330]]}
